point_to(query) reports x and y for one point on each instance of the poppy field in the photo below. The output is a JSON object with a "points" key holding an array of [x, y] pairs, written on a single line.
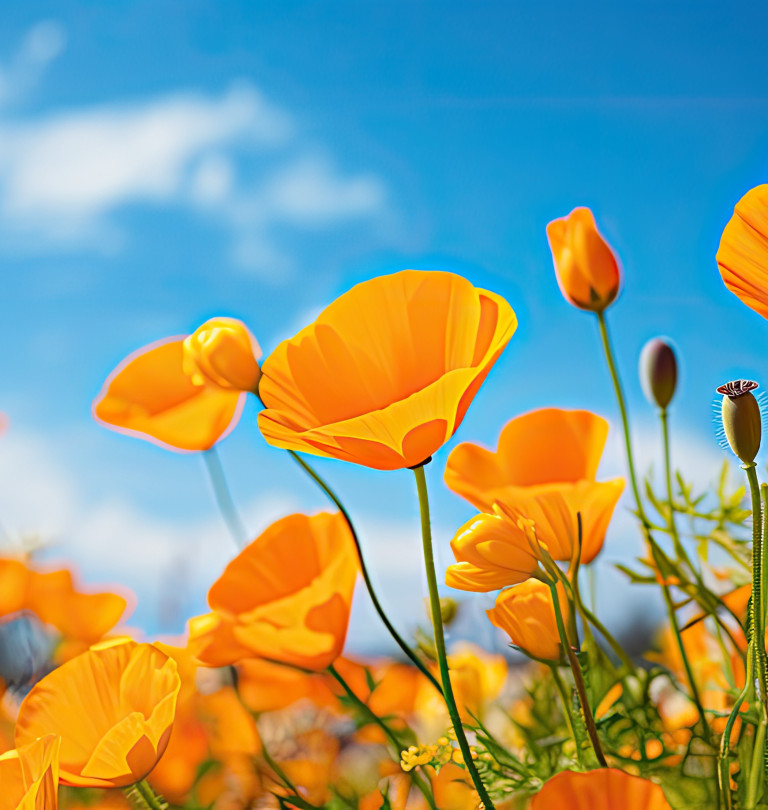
{"points": [[260, 706]]}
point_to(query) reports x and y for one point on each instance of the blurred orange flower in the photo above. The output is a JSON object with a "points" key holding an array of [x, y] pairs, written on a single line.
{"points": [[53, 597], [113, 707], [543, 470], [525, 612], [29, 775], [586, 267], [743, 253], [223, 352], [603, 789], [264, 686], [386, 373], [286, 596], [149, 395]]}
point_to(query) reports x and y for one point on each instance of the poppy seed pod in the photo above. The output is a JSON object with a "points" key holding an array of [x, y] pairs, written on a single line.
{"points": [[658, 372], [224, 353], [742, 420]]}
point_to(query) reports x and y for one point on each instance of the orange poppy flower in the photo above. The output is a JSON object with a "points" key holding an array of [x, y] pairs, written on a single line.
{"points": [[586, 267], [385, 375], [743, 253], [223, 352], [527, 615], [604, 789], [149, 395], [113, 707], [544, 469], [286, 596], [52, 596], [29, 776]]}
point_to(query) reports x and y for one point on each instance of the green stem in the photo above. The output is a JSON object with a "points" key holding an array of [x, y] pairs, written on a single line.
{"points": [[437, 625], [143, 797], [224, 497], [281, 774], [755, 783], [578, 678], [562, 690], [331, 495], [390, 735], [622, 410], [758, 601], [620, 652], [723, 770]]}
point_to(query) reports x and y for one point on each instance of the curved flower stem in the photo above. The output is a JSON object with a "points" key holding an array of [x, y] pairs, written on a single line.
{"points": [[563, 692], [331, 495], [280, 773], [390, 735], [606, 340], [437, 625], [723, 768], [143, 797], [224, 497], [578, 678], [620, 652]]}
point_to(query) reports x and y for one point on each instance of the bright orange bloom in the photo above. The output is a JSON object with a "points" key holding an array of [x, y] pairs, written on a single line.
{"points": [[149, 395], [223, 352], [386, 373], [743, 253], [29, 776], [287, 596], [264, 686], [604, 789], [586, 267], [54, 598], [527, 615], [113, 707], [543, 470]]}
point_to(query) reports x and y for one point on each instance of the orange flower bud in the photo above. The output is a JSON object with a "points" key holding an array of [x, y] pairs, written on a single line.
{"points": [[224, 353], [585, 265], [525, 612]]}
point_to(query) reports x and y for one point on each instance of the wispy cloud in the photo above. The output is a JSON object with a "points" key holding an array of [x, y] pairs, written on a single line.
{"points": [[236, 158], [42, 44]]}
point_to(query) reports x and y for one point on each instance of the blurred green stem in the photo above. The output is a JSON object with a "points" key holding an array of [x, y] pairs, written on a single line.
{"points": [[224, 496], [437, 625], [143, 797]]}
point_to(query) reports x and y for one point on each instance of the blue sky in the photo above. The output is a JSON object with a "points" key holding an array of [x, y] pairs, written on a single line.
{"points": [[161, 163]]}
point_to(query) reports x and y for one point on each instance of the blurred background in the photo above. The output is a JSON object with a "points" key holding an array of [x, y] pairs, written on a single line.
{"points": [[164, 162]]}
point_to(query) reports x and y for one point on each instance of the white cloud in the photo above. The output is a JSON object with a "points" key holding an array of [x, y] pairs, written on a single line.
{"points": [[65, 176]]}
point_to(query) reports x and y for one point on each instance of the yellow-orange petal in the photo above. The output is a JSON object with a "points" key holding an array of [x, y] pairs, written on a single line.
{"points": [[603, 789], [149, 395], [113, 707], [223, 352], [386, 373], [29, 775], [526, 613], [545, 446], [286, 596], [743, 253], [491, 553]]}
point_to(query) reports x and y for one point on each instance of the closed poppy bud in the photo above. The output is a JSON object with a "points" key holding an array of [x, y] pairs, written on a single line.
{"points": [[113, 707], [526, 613], [585, 266], [29, 776], [658, 372], [223, 352], [742, 421]]}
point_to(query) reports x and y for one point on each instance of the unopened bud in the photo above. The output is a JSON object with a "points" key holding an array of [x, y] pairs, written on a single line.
{"points": [[223, 352], [448, 609], [658, 372], [742, 420]]}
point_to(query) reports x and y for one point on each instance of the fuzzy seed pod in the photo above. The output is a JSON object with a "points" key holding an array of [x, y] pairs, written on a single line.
{"points": [[742, 420]]}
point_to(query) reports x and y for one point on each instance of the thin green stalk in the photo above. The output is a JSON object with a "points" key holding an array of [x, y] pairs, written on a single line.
{"points": [[563, 692], [620, 652], [224, 497], [143, 797], [390, 735], [622, 410], [331, 495], [723, 769], [603, 326], [281, 774], [578, 678], [758, 601], [437, 625], [755, 782]]}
